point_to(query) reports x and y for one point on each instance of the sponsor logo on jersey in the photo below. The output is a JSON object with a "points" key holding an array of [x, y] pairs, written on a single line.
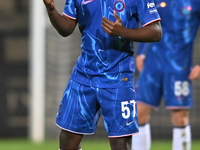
{"points": [[150, 5], [119, 6], [152, 8]]}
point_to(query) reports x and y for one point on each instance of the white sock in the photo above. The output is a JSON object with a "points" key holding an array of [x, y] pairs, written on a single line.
{"points": [[181, 138], [142, 140]]}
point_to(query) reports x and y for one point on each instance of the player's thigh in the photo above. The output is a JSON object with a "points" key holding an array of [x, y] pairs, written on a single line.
{"points": [[149, 87], [177, 91], [79, 109], [121, 143], [119, 110]]}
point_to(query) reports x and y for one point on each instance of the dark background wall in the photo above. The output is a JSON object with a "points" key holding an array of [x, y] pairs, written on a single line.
{"points": [[13, 67]]}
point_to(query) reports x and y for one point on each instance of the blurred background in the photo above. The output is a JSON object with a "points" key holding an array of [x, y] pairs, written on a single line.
{"points": [[16, 74]]}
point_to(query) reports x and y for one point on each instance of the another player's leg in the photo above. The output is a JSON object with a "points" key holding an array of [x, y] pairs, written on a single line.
{"points": [[149, 93], [178, 98], [181, 130], [121, 143], [70, 141], [142, 140]]}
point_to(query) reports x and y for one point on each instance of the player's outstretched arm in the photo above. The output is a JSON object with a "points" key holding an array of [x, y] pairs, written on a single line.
{"points": [[150, 33], [65, 26]]}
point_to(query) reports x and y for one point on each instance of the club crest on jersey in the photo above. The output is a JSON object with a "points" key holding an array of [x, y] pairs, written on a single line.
{"points": [[119, 6]]}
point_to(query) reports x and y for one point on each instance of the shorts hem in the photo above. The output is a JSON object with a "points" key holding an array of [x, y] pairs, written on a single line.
{"points": [[116, 136], [76, 132], [177, 107]]}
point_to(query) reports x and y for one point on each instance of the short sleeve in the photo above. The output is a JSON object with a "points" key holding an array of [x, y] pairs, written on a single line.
{"points": [[147, 12], [70, 9]]}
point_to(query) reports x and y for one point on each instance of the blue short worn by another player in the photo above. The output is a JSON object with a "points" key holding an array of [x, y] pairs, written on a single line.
{"points": [[168, 62], [175, 88], [81, 107]]}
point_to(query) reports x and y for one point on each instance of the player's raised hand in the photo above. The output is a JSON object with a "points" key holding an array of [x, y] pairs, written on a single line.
{"points": [[195, 73], [113, 28], [49, 5]]}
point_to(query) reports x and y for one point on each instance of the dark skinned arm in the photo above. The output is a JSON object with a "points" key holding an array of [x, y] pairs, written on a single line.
{"points": [[64, 25], [149, 33]]}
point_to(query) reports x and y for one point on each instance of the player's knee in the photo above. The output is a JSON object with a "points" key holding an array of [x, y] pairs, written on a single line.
{"points": [[180, 122], [180, 118], [70, 140]]}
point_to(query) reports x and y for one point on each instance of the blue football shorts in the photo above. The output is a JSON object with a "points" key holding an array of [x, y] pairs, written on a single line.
{"points": [[174, 88], [81, 107]]}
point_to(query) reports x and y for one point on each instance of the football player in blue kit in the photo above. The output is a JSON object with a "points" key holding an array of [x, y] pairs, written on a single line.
{"points": [[167, 72], [102, 80]]}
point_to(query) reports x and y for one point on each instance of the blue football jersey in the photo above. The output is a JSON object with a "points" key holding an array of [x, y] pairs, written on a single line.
{"points": [[107, 61], [180, 20]]}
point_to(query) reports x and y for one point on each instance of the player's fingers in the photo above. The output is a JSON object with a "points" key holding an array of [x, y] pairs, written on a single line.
{"points": [[105, 29], [116, 17], [193, 75], [48, 1], [106, 21], [106, 24], [49, 4]]}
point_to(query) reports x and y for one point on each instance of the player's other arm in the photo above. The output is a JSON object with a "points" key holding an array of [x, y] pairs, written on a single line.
{"points": [[64, 25], [149, 33], [140, 62], [195, 73]]}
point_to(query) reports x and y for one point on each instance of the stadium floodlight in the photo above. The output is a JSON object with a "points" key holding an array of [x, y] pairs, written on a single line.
{"points": [[37, 70]]}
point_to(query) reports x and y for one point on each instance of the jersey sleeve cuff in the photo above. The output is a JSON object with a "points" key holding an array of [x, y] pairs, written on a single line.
{"points": [[151, 22], [68, 16]]}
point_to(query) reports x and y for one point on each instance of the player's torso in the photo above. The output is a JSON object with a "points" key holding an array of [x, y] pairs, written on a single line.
{"points": [[180, 20], [105, 60]]}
